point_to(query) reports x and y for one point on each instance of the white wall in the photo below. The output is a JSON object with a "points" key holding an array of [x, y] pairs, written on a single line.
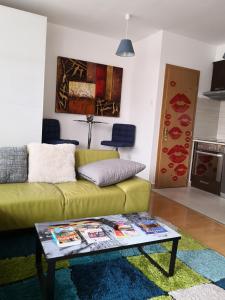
{"points": [[22, 63], [143, 97], [63, 41], [181, 51], [206, 119], [220, 50]]}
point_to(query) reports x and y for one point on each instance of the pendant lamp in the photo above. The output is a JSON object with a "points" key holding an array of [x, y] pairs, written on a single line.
{"points": [[125, 48]]}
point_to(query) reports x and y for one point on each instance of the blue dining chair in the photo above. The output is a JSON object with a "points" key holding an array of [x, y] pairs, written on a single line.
{"points": [[51, 133], [123, 135]]}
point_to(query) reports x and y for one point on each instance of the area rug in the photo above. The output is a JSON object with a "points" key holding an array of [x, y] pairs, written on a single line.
{"points": [[119, 275]]}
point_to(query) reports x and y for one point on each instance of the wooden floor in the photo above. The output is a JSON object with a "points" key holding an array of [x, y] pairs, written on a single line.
{"points": [[200, 227]]}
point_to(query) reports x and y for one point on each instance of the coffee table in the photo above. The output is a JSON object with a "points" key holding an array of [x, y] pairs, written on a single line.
{"points": [[47, 246]]}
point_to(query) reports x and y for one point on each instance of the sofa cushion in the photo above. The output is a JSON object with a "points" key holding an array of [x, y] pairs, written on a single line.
{"points": [[51, 163], [13, 164], [137, 192], [85, 199], [83, 156], [23, 204], [110, 171]]}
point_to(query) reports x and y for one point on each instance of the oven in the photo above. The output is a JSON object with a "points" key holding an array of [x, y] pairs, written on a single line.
{"points": [[207, 170]]}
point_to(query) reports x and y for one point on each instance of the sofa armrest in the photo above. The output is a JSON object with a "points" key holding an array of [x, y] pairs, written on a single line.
{"points": [[137, 192]]}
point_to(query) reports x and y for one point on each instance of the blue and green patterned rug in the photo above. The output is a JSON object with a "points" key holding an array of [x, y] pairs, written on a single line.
{"points": [[121, 275]]}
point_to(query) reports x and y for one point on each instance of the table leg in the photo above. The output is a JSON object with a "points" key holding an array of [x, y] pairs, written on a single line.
{"points": [[50, 281], [38, 257], [173, 257]]}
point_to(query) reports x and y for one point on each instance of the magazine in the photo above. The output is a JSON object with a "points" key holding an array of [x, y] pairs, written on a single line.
{"points": [[65, 235], [151, 226], [94, 235], [124, 230]]}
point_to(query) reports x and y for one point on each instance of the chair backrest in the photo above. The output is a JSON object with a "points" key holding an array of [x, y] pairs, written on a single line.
{"points": [[124, 133], [50, 130]]}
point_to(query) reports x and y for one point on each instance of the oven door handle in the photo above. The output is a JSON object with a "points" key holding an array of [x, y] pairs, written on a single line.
{"points": [[209, 153]]}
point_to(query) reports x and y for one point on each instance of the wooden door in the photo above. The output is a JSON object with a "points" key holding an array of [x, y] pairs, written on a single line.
{"points": [[176, 129]]}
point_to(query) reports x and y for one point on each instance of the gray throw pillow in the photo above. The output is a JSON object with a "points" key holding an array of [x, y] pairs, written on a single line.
{"points": [[110, 171], [13, 164]]}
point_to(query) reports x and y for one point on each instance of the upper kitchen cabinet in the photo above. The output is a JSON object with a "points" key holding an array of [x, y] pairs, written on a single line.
{"points": [[218, 81], [218, 76]]}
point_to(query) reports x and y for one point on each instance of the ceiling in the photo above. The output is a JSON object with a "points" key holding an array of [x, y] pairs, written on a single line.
{"points": [[199, 19]]}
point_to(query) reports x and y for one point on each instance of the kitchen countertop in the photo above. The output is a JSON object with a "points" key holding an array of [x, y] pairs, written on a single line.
{"points": [[209, 141]]}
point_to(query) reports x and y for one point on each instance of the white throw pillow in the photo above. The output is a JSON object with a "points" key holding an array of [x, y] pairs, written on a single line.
{"points": [[51, 163]]}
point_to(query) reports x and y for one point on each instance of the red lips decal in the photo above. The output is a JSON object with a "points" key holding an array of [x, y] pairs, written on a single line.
{"points": [[172, 83], [177, 154], [175, 133], [175, 178], [168, 116], [163, 170], [188, 133], [164, 149], [167, 123], [180, 103], [186, 145], [187, 139], [185, 120], [180, 170], [205, 158], [170, 165], [201, 169]]}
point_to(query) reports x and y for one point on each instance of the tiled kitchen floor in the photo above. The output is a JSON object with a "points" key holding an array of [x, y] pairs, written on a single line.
{"points": [[206, 203]]}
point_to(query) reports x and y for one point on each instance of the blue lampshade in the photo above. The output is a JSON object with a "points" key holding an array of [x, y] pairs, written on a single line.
{"points": [[125, 48]]}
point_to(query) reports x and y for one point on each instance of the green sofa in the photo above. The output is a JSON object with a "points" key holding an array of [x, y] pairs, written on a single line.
{"points": [[23, 204]]}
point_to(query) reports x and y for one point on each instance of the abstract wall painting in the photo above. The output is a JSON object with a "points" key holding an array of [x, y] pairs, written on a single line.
{"points": [[88, 88]]}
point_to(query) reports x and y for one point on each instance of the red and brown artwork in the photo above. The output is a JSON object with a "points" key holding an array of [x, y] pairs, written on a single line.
{"points": [[180, 103], [88, 88]]}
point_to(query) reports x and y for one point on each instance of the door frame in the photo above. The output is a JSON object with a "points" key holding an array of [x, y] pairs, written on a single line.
{"points": [[163, 109]]}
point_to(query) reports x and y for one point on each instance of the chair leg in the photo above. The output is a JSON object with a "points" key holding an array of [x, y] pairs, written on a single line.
{"points": [[117, 149]]}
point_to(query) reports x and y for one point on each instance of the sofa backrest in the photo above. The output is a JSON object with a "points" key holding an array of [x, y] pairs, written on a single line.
{"points": [[86, 156]]}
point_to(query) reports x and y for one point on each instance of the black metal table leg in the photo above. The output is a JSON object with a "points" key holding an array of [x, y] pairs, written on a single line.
{"points": [[46, 282], [173, 257], [38, 258], [50, 281]]}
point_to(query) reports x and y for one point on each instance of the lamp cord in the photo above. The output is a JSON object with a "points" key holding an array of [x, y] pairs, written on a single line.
{"points": [[126, 28]]}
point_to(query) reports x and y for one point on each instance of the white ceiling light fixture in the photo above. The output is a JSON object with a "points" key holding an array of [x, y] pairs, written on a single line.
{"points": [[125, 48]]}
